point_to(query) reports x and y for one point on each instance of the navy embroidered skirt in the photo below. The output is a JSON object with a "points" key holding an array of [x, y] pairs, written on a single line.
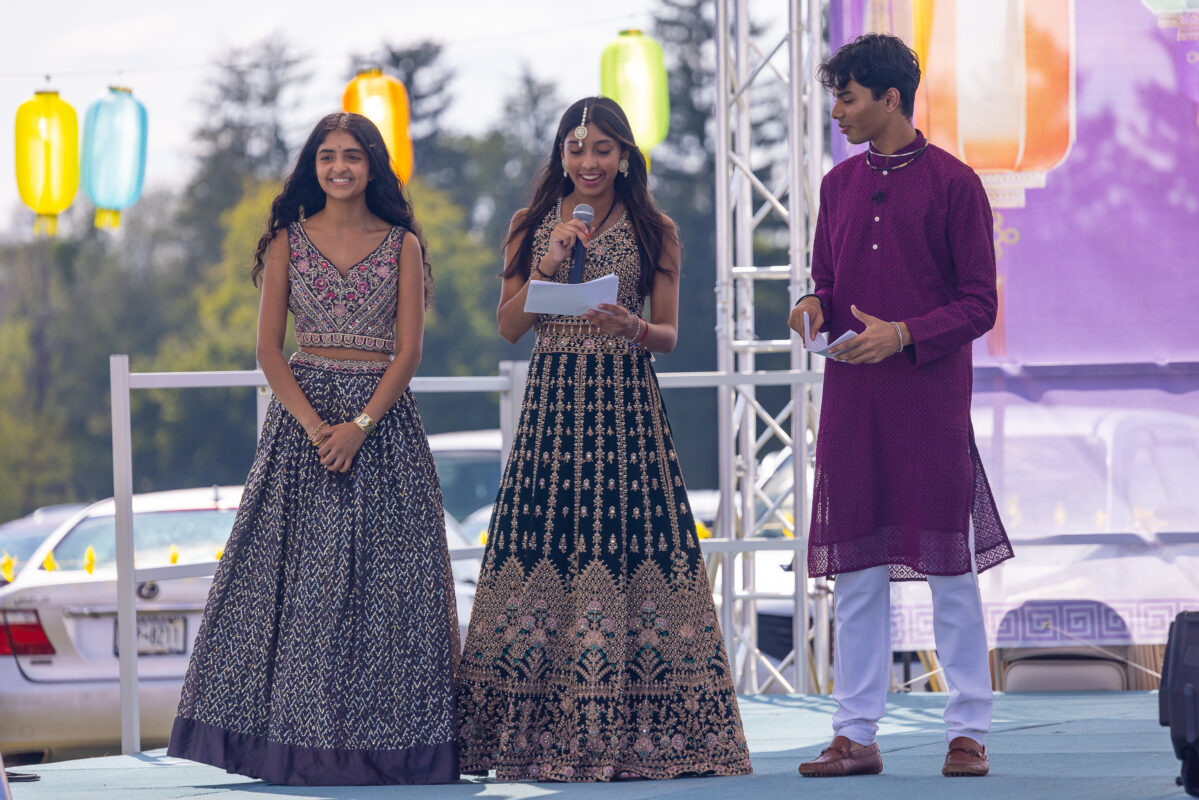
{"points": [[593, 647], [327, 651]]}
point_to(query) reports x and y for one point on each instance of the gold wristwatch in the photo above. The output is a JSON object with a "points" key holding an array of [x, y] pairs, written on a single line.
{"points": [[365, 422]]}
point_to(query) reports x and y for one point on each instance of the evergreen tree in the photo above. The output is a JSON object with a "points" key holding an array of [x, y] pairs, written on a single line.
{"points": [[427, 79], [243, 138]]}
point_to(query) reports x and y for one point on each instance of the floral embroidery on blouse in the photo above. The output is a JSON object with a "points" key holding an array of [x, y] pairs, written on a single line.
{"points": [[356, 310]]}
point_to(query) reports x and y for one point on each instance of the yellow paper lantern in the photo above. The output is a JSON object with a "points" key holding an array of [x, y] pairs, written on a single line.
{"points": [[47, 150], [384, 101], [633, 74]]}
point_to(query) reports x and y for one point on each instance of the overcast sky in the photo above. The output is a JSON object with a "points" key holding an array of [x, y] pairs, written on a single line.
{"points": [[164, 52]]}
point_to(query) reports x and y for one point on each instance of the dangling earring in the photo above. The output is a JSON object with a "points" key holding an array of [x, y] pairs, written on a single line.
{"points": [[565, 174], [623, 167]]}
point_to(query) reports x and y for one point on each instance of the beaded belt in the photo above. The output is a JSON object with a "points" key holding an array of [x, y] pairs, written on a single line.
{"points": [[354, 340], [580, 337], [338, 364]]}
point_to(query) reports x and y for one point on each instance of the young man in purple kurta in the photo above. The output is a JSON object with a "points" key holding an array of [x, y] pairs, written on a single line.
{"points": [[904, 256]]}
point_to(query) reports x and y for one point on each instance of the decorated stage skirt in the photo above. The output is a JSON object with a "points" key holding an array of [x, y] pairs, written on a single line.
{"points": [[593, 647], [327, 651]]}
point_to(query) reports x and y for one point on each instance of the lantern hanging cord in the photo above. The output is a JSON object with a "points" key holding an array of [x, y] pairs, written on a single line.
{"points": [[447, 43]]}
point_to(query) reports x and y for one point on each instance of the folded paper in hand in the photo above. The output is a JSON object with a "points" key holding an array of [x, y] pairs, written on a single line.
{"points": [[820, 344], [547, 297]]}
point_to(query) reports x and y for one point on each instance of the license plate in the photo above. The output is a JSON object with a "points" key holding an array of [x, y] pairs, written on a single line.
{"points": [[157, 635]]}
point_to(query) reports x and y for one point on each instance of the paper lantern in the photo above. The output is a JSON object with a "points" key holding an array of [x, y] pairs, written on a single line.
{"points": [[384, 101], [632, 73], [997, 88], [999, 91], [114, 154], [47, 150]]}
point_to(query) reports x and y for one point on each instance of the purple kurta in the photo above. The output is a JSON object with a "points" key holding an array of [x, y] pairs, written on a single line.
{"points": [[898, 476]]}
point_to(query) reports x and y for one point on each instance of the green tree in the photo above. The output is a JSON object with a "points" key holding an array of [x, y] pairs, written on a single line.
{"points": [[681, 178], [243, 136], [66, 305], [460, 337], [192, 437]]}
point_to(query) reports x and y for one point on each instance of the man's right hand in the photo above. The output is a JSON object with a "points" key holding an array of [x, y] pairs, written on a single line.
{"points": [[815, 316]]}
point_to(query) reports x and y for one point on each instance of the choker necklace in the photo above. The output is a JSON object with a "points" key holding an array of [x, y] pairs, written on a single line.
{"points": [[911, 156]]}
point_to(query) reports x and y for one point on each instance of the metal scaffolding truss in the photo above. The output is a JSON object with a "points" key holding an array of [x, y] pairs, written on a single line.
{"points": [[755, 443]]}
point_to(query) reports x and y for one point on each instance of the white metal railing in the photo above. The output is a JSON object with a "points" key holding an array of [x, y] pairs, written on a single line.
{"points": [[740, 641]]}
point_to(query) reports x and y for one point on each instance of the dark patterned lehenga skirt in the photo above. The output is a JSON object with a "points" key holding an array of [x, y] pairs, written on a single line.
{"points": [[593, 647], [327, 651]]}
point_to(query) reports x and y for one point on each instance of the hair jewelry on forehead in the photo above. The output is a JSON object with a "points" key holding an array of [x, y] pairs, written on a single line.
{"points": [[581, 130]]}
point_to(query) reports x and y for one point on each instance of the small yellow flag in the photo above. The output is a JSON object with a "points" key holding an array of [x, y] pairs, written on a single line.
{"points": [[220, 551], [702, 531], [89, 560], [6, 566], [48, 563], [174, 554]]}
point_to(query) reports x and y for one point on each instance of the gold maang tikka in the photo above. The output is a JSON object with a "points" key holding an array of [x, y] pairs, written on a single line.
{"points": [[581, 130]]}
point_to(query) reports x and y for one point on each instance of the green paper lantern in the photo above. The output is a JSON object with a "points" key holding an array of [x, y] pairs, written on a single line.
{"points": [[632, 73]]}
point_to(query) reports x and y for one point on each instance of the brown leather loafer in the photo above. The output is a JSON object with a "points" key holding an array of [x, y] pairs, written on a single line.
{"points": [[844, 757], [966, 759]]}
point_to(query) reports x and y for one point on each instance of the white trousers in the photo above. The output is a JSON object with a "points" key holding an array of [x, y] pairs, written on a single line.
{"points": [[862, 653]]}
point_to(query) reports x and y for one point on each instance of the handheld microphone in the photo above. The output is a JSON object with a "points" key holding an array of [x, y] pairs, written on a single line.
{"points": [[585, 213]]}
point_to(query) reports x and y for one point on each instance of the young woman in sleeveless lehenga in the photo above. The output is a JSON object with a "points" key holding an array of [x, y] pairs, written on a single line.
{"points": [[593, 651], [328, 646]]}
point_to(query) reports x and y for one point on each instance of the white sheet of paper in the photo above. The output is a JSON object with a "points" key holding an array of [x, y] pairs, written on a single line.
{"points": [[547, 297], [820, 344]]}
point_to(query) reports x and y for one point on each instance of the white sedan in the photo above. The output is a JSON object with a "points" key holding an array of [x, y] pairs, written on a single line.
{"points": [[59, 682]]}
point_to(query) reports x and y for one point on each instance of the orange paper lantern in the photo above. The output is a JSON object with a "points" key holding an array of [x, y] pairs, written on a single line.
{"points": [[997, 88], [384, 101]]}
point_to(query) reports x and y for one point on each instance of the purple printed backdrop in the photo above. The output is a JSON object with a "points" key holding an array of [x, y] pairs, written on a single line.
{"points": [[1106, 268], [1089, 424]]}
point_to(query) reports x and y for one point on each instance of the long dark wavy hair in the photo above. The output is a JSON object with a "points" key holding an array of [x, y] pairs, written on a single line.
{"points": [[302, 195], [651, 227]]}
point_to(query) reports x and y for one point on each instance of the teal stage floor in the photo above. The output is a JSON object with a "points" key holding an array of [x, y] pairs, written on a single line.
{"points": [[1056, 746]]}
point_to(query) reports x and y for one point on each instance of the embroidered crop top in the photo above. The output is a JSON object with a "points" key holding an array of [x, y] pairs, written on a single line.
{"points": [[357, 310]]}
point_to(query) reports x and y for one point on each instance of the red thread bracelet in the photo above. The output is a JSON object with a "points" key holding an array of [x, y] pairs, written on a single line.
{"points": [[644, 334]]}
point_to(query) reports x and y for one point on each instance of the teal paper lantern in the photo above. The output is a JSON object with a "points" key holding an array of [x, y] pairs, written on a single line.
{"points": [[114, 154]]}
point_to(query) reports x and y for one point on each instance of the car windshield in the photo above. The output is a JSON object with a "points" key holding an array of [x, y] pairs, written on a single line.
{"points": [[18, 540], [468, 480], [159, 538]]}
